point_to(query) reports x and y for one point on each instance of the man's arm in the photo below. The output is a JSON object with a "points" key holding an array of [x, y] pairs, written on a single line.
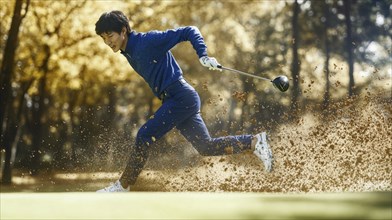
{"points": [[163, 41]]}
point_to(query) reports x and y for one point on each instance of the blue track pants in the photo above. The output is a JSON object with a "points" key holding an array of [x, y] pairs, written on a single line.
{"points": [[180, 109]]}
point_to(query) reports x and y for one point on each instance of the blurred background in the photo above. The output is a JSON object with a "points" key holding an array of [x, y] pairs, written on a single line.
{"points": [[70, 105]]}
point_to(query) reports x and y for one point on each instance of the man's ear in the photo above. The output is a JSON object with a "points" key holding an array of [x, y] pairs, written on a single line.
{"points": [[124, 31]]}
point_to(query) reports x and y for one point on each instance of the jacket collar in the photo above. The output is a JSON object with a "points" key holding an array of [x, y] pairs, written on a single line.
{"points": [[130, 43]]}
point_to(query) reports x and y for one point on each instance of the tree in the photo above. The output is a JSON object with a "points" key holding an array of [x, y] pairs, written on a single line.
{"points": [[51, 30], [7, 70], [361, 24], [327, 51], [349, 46], [295, 65]]}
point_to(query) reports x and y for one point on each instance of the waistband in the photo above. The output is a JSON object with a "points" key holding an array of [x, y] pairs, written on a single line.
{"points": [[166, 92]]}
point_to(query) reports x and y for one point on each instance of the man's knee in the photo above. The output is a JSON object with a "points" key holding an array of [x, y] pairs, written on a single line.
{"points": [[203, 145], [143, 139]]}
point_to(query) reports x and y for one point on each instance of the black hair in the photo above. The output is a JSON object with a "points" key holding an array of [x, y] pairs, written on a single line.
{"points": [[112, 21]]}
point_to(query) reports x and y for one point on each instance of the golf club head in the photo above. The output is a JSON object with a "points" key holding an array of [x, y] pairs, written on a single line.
{"points": [[281, 83]]}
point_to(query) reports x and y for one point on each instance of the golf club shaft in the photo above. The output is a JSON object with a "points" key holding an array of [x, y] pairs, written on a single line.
{"points": [[243, 73]]}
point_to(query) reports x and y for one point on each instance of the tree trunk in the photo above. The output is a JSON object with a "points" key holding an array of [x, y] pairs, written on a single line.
{"points": [[7, 170], [7, 70], [349, 47], [7, 65], [327, 57], [37, 113], [111, 107], [11, 137], [295, 66]]}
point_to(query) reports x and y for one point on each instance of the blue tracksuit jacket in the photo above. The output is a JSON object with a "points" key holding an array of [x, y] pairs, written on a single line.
{"points": [[149, 54]]}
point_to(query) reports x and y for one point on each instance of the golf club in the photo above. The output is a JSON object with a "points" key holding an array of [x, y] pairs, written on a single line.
{"points": [[280, 82]]}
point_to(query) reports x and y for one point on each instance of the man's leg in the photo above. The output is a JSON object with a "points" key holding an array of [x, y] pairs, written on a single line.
{"points": [[196, 132], [171, 113]]}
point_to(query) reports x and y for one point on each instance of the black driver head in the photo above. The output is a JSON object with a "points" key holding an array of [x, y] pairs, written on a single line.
{"points": [[281, 82]]}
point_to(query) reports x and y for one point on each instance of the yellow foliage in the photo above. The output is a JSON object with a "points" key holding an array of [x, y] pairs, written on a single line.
{"points": [[58, 41]]}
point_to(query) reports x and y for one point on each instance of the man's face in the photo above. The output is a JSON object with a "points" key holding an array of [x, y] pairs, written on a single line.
{"points": [[115, 40]]}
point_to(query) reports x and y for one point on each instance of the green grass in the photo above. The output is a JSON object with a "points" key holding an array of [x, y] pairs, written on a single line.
{"points": [[165, 205]]}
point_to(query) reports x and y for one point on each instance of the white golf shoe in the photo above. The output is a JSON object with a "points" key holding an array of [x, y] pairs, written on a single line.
{"points": [[263, 151], [114, 187]]}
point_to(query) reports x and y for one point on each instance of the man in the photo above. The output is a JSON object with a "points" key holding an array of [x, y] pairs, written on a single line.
{"points": [[149, 55]]}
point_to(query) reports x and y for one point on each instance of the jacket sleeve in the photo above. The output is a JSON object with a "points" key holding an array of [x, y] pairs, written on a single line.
{"points": [[163, 41]]}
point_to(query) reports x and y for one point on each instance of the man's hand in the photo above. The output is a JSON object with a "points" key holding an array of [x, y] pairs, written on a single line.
{"points": [[210, 63]]}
